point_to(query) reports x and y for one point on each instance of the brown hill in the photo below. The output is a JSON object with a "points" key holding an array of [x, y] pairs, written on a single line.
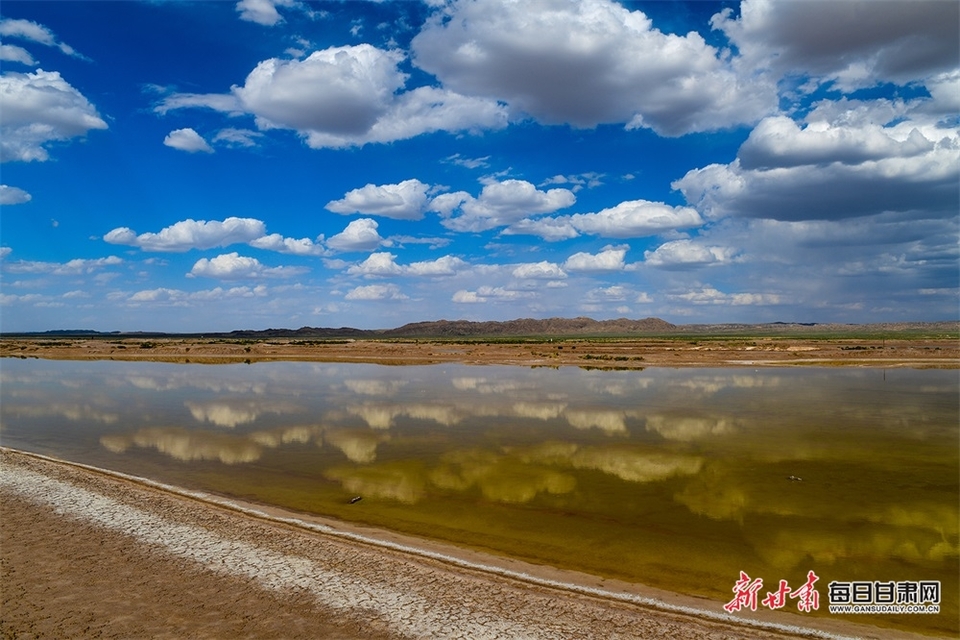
{"points": [[529, 327]]}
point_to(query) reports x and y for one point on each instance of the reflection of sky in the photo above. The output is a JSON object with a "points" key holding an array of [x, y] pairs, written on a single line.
{"points": [[717, 445]]}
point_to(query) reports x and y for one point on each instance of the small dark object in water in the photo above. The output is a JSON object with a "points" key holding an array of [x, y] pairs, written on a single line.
{"points": [[356, 500], [794, 478]]}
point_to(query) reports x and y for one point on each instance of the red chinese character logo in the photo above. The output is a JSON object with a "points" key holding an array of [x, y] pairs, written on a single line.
{"points": [[746, 593], [808, 598], [777, 599]]}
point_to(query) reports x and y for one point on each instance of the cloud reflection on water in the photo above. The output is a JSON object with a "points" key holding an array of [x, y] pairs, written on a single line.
{"points": [[706, 449]]}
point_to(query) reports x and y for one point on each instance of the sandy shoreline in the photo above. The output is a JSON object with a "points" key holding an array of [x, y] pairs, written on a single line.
{"points": [[92, 554]]}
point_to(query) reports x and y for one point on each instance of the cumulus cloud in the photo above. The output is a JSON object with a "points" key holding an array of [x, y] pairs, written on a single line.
{"points": [[445, 266], [233, 266], [779, 142], [841, 164], [587, 63], [550, 229], [376, 292], [629, 219], [13, 195], [359, 235], [262, 11], [377, 264], [187, 140], [539, 270], [421, 110], [609, 259], [636, 219], [855, 43], [685, 254], [340, 90], [292, 246], [345, 96], [403, 201], [191, 234], [39, 108], [499, 204], [384, 264]]}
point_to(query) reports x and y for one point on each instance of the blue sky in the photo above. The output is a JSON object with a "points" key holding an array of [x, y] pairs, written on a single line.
{"points": [[204, 166]]}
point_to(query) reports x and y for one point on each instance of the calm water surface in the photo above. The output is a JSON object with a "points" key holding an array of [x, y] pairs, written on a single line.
{"points": [[674, 478]]}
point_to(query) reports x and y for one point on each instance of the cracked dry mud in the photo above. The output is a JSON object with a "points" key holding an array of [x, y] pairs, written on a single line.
{"points": [[90, 555]]}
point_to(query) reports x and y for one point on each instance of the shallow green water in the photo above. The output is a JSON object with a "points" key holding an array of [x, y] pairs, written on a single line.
{"points": [[676, 478]]}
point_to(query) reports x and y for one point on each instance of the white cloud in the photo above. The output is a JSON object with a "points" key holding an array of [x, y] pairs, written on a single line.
{"points": [[293, 246], [630, 219], [682, 254], [445, 266], [238, 137], [39, 108], [609, 259], [550, 229], [499, 204], [340, 90], [13, 195], [384, 264], [345, 96], [359, 235], [469, 163], [423, 110], [13, 53], [403, 201], [466, 297], [377, 264], [227, 103], [587, 63], [34, 32], [855, 43], [590, 180], [779, 142], [636, 219], [841, 164], [191, 234], [76, 266], [262, 11], [176, 297], [539, 270], [710, 296], [233, 266], [376, 292], [187, 140], [488, 294]]}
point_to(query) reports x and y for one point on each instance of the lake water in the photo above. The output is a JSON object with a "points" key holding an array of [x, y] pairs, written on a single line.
{"points": [[675, 478]]}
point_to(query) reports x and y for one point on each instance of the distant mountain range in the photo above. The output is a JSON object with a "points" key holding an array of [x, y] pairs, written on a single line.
{"points": [[526, 327]]}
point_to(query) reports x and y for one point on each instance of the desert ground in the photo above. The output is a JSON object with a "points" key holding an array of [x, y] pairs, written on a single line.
{"points": [[688, 351], [86, 553]]}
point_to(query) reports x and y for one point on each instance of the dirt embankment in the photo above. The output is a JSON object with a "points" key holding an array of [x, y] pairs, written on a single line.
{"points": [[597, 353]]}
